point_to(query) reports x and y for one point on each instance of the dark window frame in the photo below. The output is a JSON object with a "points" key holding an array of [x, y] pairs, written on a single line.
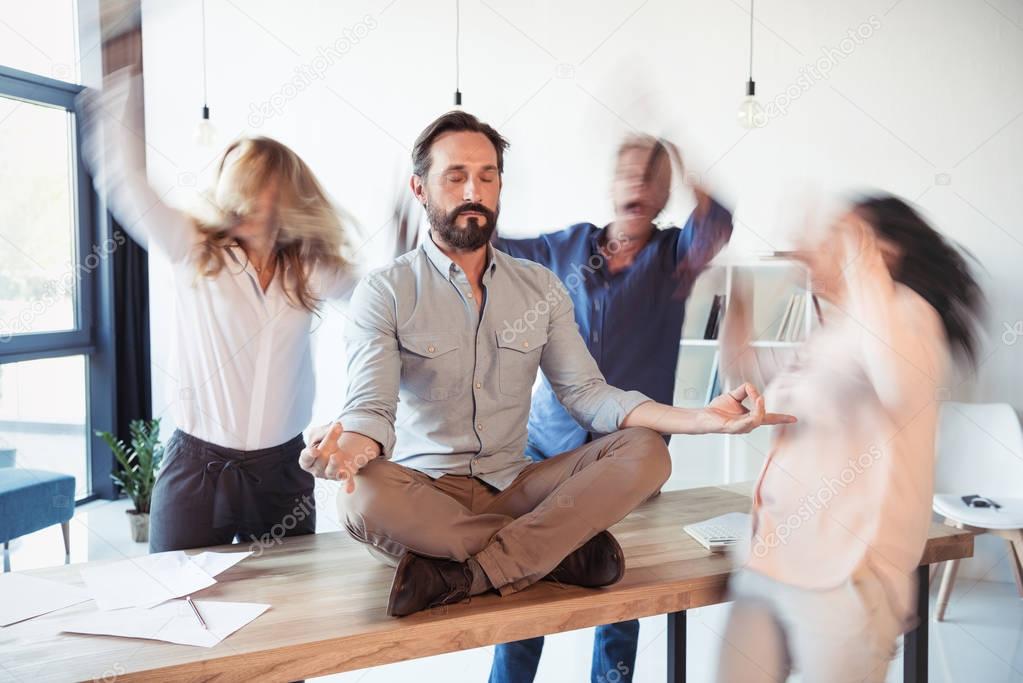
{"points": [[93, 336]]}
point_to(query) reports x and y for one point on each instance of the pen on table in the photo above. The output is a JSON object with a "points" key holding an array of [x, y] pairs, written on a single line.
{"points": [[195, 610]]}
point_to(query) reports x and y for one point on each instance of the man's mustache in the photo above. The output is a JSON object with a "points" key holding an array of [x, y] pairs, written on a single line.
{"points": [[469, 208]]}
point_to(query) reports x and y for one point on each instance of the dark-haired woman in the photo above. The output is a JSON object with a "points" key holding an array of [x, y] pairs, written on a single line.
{"points": [[842, 506]]}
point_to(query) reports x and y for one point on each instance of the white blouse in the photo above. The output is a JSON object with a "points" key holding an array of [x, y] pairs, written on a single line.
{"points": [[242, 356]]}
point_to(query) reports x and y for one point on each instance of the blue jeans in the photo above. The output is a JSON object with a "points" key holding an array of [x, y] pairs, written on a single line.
{"points": [[614, 656]]}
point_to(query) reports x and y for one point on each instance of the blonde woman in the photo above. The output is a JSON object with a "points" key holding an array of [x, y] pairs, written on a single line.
{"points": [[247, 282]]}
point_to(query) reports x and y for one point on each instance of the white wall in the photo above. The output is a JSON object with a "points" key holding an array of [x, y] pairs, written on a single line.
{"points": [[928, 106]]}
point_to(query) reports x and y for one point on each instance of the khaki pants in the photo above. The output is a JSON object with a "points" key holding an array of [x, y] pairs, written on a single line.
{"points": [[517, 535]]}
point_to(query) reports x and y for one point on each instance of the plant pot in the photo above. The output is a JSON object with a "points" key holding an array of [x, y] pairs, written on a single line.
{"points": [[139, 525], [8, 457]]}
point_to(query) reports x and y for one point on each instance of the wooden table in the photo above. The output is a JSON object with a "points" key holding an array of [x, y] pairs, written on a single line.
{"points": [[328, 597]]}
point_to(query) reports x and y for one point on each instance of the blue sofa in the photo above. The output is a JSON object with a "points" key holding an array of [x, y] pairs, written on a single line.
{"points": [[31, 500]]}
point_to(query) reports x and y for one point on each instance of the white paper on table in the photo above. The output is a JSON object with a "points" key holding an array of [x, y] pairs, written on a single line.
{"points": [[145, 581], [217, 563], [173, 622], [23, 597]]}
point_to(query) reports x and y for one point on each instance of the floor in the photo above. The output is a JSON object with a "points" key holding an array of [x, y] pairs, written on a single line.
{"points": [[981, 640]]}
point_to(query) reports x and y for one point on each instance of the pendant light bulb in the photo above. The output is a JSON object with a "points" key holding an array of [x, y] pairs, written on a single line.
{"points": [[205, 133], [751, 113]]}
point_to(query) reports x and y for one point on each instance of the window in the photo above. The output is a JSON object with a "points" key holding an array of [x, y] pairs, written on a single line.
{"points": [[38, 284], [56, 381], [43, 417], [41, 38]]}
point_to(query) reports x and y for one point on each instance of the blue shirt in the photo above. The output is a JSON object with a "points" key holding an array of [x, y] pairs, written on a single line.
{"points": [[631, 321]]}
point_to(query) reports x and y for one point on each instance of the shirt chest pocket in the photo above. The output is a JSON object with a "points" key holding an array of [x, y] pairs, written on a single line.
{"points": [[432, 366], [518, 359]]}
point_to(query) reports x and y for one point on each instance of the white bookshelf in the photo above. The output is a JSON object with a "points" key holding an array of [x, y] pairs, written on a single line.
{"points": [[703, 460], [760, 343]]}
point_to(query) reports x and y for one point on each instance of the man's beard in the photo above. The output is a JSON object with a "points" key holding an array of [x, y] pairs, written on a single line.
{"points": [[473, 235]]}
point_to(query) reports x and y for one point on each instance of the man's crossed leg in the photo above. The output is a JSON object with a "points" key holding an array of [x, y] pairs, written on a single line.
{"points": [[456, 527]]}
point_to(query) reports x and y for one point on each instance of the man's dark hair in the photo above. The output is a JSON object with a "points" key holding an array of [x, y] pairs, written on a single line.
{"points": [[453, 122]]}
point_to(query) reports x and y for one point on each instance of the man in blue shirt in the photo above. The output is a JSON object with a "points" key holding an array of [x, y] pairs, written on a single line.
{"points": [[629, 282]]}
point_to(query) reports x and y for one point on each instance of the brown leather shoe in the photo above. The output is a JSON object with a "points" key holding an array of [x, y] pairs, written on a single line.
{"points": [[598, 562], [421, 582]]}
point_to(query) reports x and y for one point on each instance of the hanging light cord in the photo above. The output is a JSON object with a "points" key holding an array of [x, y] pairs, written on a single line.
{"points": [[205, 101], [458, 33], [751, 40]]}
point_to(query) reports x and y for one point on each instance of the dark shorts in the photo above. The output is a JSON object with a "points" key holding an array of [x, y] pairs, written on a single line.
{"points": [[209, 495]]}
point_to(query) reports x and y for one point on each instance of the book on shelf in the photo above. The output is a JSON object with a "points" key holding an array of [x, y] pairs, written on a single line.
{"points": [[817, 309], [783, 326], [721, 314], [797, 320], [714, 383], [793, 323], [714, 318]]}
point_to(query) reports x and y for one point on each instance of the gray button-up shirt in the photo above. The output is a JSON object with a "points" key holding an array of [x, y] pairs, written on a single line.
{"points": [[445, 389]]}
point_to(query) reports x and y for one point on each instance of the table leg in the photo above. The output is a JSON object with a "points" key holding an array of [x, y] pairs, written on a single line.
{"points": [[914, 650], [677, 647]]}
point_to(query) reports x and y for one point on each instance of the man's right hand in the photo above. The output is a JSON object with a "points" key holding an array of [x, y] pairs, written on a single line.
{"points": [[333, 453]]}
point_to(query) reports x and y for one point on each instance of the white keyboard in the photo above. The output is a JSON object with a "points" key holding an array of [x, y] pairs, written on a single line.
{"points": [[721, 532]]}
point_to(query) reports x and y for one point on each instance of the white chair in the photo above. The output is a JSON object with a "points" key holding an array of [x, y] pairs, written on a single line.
{"points": [[980, 451]]}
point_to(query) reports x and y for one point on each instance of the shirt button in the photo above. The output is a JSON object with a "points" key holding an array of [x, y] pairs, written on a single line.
{"points": [[479, 427], [596, 305], [596, 337], [430, 349], [478, 385], [525, 344], [469, 294]]}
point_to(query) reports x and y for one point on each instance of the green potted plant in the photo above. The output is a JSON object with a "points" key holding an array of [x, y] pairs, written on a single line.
{"points": [[138, 467]]}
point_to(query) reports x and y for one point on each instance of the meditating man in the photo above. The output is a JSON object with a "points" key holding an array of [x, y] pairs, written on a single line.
{"points": [[443, 348]]}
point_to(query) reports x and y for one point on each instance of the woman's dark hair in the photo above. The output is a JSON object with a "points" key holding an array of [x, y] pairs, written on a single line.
{"points": [[932, 267], [453, 122]]}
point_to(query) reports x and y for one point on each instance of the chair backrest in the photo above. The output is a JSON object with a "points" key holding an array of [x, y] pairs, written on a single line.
{"points": [[980, 450]]}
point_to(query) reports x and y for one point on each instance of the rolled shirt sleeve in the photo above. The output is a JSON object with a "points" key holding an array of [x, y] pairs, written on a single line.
{"points": [[374, 365], [573, 373], [703, 235]]}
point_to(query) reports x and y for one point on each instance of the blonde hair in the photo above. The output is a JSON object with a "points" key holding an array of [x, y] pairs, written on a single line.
{"points": [[308, 227]]}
